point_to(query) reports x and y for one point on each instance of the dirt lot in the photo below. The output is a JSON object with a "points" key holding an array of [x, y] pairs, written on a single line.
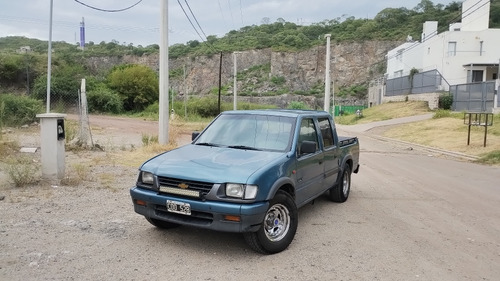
{"points": [[412, 215]]}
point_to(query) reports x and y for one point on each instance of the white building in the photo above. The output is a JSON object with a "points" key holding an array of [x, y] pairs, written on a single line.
{"points": [[468, 52], [468, 47]]}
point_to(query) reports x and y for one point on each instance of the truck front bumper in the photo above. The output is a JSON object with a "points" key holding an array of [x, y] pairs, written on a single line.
{"points": [[204, 214]]}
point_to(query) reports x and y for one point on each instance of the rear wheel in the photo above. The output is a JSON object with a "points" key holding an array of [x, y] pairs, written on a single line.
{"points": [[161, 224], [278, 228], [340, 191]]}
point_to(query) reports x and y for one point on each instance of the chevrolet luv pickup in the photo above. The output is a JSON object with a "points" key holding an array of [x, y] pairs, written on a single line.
{"points": [[248, 172]]}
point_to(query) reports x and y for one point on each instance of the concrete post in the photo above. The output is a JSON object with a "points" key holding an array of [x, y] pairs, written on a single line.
{"points": [[163, 99], [327, 76], [235, 87], [52, 145]]}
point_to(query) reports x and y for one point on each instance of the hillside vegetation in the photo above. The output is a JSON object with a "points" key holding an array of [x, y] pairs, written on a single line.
{"points": [[127, 88]]}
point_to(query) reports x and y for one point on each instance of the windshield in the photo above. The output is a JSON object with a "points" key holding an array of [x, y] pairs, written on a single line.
{"points": [[247, 131]]}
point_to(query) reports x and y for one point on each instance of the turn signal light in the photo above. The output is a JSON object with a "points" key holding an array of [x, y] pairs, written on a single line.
{"points": [[232, 218], [141, 202]]}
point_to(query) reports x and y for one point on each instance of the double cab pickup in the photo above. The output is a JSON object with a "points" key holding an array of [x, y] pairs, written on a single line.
{"points": [[249, 171]]}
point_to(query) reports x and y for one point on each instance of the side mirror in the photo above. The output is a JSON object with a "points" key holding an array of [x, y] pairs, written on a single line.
{"points": [[194, 135], [307, 147]]}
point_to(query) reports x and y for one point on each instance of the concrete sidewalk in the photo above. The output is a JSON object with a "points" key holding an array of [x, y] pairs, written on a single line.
{"points": [[368, 126], [363, 129]]}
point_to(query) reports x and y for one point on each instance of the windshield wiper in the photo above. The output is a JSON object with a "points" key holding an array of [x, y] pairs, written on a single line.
{"points": [[244, 147], [207, 144]]}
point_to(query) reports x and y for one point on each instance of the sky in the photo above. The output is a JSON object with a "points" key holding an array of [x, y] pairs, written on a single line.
{"points": [[140, 25]]}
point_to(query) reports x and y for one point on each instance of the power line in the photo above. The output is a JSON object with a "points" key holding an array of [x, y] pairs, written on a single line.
{"points": [[72, 24], [241, 12], [195, 19], [231, 10], [434, 33], [222, 14], [106, 10], [190, 21]]}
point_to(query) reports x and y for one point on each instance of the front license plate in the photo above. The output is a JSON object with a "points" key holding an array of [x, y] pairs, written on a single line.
{"points": [[178, 207]]}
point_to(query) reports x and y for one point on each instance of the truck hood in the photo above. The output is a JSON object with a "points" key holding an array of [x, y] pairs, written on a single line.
{"points": [[210, 164]]}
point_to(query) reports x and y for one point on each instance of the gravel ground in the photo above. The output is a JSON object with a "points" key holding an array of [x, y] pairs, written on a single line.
{"points": [[393, 227]]}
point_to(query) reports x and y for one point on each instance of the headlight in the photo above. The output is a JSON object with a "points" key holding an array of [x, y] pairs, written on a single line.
{"points": [[251, 191], [147, 177], [242, 191]]}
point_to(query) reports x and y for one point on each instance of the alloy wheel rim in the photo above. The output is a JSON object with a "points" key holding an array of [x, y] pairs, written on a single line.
{"points": [[345, 184], [277, 222]]}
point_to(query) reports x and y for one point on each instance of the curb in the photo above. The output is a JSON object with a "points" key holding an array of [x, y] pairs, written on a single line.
{"points": [[365, 128], [428, 148]]}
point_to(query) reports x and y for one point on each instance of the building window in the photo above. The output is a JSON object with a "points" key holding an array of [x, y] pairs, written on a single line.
{"points": [[477, 76], [399, 55], [452, 49], [481, 48]]}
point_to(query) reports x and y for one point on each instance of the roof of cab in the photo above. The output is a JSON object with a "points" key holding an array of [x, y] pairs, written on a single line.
{"points": [[279, 112]]}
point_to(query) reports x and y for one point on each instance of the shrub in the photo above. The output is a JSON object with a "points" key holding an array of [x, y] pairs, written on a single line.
{"points": [[445, 101], [278, 80], [137, 86], [103, 99], [204, 107], [297, 105], [22, 171], [19, 110], [441, 113]]}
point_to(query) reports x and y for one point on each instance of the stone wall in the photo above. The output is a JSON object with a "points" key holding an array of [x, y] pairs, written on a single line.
{"points": [[351, 63], [431, 98]]}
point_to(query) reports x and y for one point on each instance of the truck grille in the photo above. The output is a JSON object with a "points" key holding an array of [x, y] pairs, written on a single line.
{"points": [[184, 187]]}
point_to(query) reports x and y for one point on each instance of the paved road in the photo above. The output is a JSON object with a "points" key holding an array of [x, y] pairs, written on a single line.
{"points": [[429, 216]]}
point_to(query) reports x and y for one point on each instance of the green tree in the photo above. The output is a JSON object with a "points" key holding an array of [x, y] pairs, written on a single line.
{"points": [[136, 84], [65, 82], [11, 69]]}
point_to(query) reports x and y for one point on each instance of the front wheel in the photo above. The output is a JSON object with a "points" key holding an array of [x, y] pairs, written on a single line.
{"points": [[340, 191], [278, 228]]}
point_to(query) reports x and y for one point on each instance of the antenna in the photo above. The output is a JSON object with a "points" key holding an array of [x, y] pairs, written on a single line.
{"points": [[82, 34]]}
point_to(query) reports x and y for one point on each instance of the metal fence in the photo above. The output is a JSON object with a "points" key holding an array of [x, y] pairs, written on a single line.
{"points": [[425, 82], [473, 97]]}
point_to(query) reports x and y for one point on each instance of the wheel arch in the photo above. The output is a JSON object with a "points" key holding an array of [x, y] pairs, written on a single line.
{"points": [[285, 184], [347, 160]]}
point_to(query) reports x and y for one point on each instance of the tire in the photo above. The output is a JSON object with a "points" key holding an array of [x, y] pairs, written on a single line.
{"points": [[161, 224], [340, 191], [278, 228]]}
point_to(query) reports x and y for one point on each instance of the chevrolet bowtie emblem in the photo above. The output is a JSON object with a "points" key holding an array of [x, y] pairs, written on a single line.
{"points": [[183, 185]]}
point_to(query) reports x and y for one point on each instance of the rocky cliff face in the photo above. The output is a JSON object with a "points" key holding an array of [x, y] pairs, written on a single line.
{"points": [[351, 63]]}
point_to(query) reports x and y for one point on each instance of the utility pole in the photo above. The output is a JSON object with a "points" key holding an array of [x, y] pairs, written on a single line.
{"points": [[495, 99], [327, 76], [235, 95], [49, 55], [220, 81], [163, 103], [185, 93]]}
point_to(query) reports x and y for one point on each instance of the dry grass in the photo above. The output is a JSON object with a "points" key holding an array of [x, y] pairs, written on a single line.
{"points": [[150, 149], [449, 134], [386, 111]]}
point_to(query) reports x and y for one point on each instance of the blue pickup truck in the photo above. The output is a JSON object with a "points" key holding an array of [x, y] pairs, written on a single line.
{"points": [[248, 172]]}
